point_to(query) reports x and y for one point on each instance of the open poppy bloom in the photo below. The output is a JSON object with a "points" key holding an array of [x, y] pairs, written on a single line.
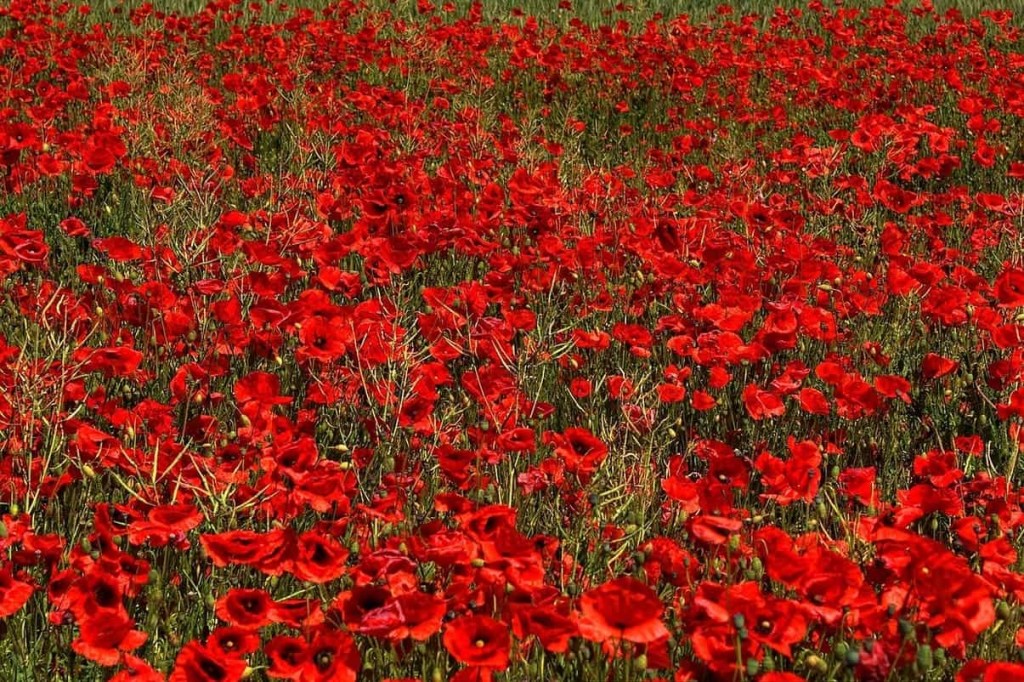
{"points": [[622, 609], [480, 642]]}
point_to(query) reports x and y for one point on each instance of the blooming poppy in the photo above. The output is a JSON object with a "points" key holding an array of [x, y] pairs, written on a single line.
{"points": [[196, 663], [622, 609], [478, 641]]}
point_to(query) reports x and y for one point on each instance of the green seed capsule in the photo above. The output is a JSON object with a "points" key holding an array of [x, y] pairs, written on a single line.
{"points": [[815, 662], [924, 657]]}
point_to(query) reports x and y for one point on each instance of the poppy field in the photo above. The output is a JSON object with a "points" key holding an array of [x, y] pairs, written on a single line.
{"points": [[413, 340]]}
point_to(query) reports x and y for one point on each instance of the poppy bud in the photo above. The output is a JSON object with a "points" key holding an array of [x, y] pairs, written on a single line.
{"points": [[15, 509], [88, 471], [906, 627], [1003, 610], [815, 662], [753, 667], [851, 658], [640, 663], [437, 675], [247, 673], [478, 563], [84, 544], [3, 529], [924, 657]]}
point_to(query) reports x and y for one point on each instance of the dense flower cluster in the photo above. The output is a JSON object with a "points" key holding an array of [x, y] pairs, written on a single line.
{"points": [[414, 343]]}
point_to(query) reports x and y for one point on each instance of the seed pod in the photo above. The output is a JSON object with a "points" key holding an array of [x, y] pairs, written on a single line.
{"points": [[816, 663], [924, 657]]}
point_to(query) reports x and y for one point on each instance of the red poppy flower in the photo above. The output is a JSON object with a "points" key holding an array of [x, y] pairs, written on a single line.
{"points": [[553, 627], [622, 609], [319, 558], [135, 669], [13, 594], [761, 403], [478, 641], [332, 656], [248, 608], [233, 641], [105, 638], [287, 656], [196, 663]]}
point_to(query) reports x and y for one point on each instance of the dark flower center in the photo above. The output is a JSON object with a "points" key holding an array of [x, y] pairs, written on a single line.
{"points": [[323, 659]]}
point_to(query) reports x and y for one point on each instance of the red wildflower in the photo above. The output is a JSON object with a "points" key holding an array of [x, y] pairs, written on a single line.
{"points": [[105, 638], [13, 593], [332, 656], [479, 642], [622, 609], [196, 663]]}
